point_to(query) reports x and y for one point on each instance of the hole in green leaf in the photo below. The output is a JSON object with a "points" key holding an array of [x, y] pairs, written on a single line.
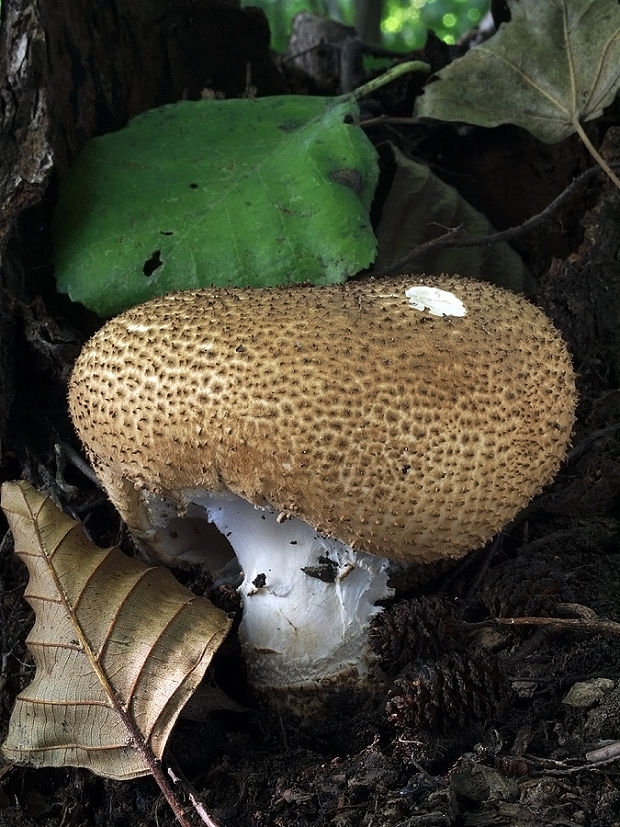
{"points": [[152, 263]]}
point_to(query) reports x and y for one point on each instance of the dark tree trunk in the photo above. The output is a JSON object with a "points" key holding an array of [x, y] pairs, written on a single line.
{"points": [[73, 69], [77, 68], [368, 15]]}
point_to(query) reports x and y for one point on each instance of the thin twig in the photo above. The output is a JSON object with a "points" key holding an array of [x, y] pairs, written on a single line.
{"points": [[155, 767], [65, 453], [382, 120], [456, 236], [610, 752], [595, 759], [587, 621], [194, 798], [200, 809]]}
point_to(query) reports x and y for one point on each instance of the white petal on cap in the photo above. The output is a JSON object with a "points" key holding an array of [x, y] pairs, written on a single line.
{"points": [[438, 302]]}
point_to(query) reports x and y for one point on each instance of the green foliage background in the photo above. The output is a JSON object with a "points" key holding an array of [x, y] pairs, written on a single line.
{"points": [[403, 25]]}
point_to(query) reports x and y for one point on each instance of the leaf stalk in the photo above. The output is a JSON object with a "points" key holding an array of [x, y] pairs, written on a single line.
{"points": [[595, 154], [387, 77]]}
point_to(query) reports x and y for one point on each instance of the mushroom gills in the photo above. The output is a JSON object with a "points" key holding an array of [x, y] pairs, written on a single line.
{"points": [[290, 645]]}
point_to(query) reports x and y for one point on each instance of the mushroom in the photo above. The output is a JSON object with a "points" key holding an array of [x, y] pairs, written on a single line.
{"points": [[325, 431]]}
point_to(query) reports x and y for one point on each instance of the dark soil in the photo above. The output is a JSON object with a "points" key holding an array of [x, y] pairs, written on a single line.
{"points": [[483, 721]]}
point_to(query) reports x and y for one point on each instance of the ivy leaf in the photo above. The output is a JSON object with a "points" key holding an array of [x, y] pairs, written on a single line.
{"points": [[217, 193], [119, 647], [552, 67]]}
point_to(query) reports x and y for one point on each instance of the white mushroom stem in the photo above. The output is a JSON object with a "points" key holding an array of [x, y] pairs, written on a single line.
{"points": [[307, 600]]}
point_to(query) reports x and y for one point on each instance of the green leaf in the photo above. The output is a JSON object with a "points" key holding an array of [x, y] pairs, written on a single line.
{"points": [[237, 192], [552, 67], [420, 207]]}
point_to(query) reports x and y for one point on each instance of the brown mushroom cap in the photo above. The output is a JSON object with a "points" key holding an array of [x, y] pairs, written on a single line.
{"points": [[402, 433]]}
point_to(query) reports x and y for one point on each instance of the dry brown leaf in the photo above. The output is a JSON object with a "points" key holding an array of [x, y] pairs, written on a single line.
{"points": [[552, 67], [116, 643]]}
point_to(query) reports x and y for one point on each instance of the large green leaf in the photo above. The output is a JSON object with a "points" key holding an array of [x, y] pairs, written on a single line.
{"points": [[552, 67], [238, 192]]}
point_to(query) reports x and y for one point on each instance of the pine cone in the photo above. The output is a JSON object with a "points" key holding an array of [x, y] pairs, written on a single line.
{"points": [[451, 690], [420, 628]]}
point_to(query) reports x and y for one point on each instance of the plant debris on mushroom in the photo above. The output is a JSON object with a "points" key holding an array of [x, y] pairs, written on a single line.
{"points": [[325, 431]]}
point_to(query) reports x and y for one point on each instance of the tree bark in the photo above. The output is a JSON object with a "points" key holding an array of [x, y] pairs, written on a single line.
{"points": [[368, 15], [78, 68], [73, 69], [582, 292]]}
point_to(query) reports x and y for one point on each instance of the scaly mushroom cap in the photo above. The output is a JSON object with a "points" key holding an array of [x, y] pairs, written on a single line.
{"points": [[406, 434]]}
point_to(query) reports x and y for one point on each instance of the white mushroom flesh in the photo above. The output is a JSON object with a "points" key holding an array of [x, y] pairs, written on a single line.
{"points": [[308, 600]]}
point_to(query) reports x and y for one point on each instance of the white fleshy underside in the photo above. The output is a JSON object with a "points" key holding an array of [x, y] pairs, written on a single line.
{"points": [[297, 629]]}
